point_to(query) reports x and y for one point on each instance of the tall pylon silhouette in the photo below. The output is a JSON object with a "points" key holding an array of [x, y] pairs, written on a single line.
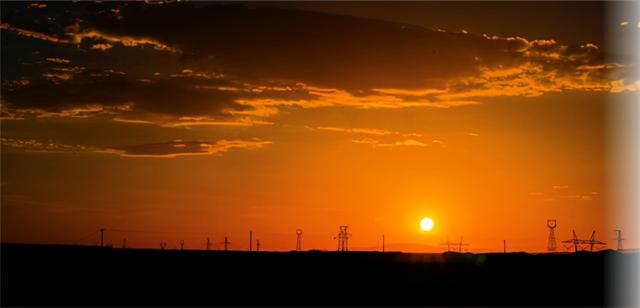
{"points": [[343, 239], [552, 224], [619, 239], [298, 239]]}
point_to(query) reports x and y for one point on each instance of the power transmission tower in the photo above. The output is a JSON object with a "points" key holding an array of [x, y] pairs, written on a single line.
{"points": [[101, 237], [343, 238], [619, 239], [181, 244], [298, 239], [250, 240], [448, 243], [459, 244], [575, 241], [552, 224], [226, 243]]}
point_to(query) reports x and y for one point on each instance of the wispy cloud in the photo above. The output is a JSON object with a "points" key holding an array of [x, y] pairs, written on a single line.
{"points": [[58, 60], [179, 148], [33, 145], [563, 192], [34, 34], [400, 143], [170, 149], [127, 41], [101, 46]]}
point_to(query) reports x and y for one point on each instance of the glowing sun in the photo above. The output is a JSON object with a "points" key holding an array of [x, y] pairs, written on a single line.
{"points": [[426, 224]]}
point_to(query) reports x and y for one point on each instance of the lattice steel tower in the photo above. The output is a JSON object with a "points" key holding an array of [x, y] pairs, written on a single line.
{"points": [[552, 224], [343, 239], [619, 239]]}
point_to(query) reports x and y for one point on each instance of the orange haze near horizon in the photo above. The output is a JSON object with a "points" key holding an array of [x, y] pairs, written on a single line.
{"points": [[370, 118]]}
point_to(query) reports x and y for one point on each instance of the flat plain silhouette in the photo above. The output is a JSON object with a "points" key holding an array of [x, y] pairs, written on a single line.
{"points": [[55, 275]]}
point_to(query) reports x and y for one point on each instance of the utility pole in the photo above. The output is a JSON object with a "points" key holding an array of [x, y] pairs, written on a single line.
{"points": [[383, 243], [208, 243], [258, 245], [101, 237], [226, 243], [250, 240], [181, 244]]}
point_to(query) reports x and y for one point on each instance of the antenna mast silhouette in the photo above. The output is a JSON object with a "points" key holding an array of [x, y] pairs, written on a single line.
{"points": [[619, 239], [552, 224], [101, 237], [343, 239], [298, 239]]}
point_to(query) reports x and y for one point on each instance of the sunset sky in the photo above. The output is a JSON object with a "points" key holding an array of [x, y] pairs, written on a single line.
{"points": [[188, 120]]}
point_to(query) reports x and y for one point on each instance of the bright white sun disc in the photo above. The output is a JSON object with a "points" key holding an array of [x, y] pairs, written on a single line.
{"points": [[426, 224]]}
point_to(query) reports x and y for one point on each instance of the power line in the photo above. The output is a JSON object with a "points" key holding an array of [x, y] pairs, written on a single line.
{"points": [[86, 237], [158, 232]]}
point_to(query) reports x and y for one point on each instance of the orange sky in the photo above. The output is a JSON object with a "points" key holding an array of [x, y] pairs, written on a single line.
{"points": [[271, 119]]}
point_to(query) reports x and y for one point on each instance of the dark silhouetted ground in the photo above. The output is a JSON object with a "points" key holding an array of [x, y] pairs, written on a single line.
{"points": [[50, 275]]}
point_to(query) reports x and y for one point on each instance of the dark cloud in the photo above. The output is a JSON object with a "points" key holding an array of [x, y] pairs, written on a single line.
{"points": [[333, 51], [109, 89], [320, 49], [229, 63]]}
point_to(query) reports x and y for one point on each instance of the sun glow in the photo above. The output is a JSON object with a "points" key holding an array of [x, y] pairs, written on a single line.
{"points": [[426, 224]]}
